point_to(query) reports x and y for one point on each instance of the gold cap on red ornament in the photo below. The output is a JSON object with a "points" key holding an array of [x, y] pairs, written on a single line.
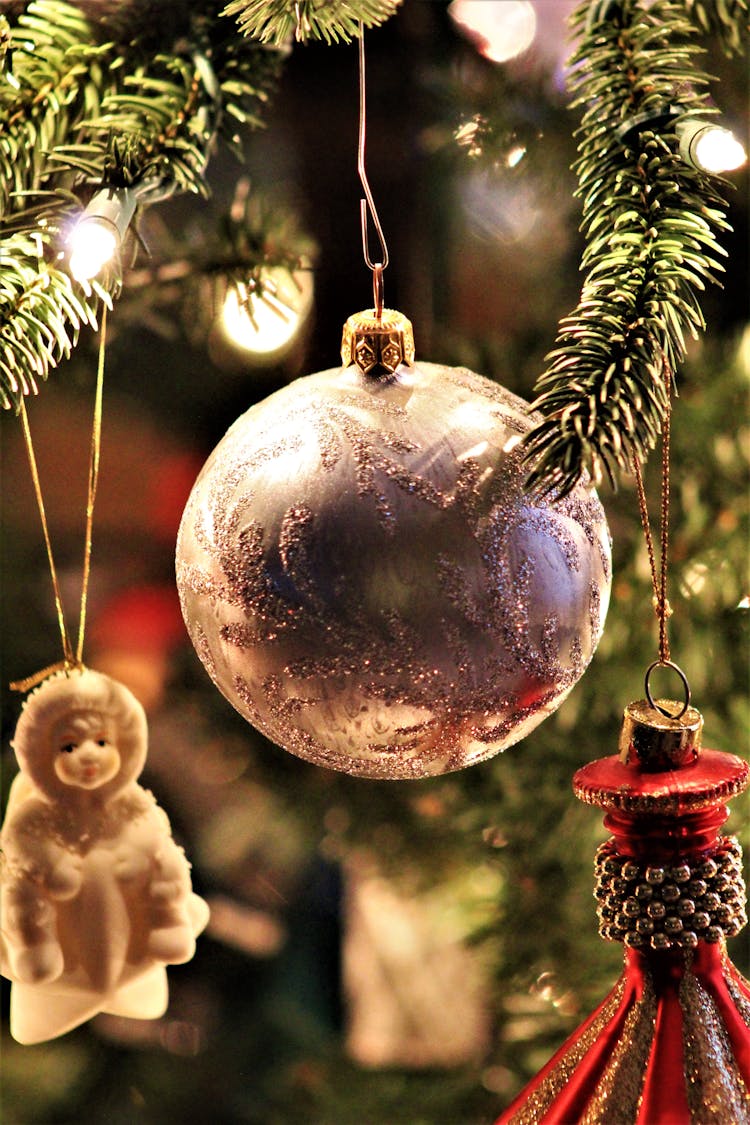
{"points": [[653, 739], [377, 344]]}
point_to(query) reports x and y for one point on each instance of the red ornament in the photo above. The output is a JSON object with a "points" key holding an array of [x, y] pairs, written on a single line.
{"points": [[670, 1045]]}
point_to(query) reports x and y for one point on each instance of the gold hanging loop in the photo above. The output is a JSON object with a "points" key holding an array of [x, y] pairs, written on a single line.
{"points": [[685, 688]]}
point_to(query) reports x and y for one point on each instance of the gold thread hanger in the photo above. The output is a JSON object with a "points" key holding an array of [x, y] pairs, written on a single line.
{"points": [[662, 608], [72, 657]]}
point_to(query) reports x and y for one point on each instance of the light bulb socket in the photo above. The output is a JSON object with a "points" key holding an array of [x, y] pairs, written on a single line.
{"points": [[112, 206], [690, 132]]}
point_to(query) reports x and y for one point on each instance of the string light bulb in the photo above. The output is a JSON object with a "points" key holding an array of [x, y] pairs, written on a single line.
{"points": [[266, 326], [709, 146], [97, 236]]}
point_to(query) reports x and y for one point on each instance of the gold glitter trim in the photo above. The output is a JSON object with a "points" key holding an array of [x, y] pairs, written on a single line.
{"points": [[667, 803], [540, 1100], [618, 1093], [741, 1002], [716, 1093]]}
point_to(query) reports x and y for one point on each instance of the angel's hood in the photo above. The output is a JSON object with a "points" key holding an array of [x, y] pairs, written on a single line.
{"points": [[67, 694]]}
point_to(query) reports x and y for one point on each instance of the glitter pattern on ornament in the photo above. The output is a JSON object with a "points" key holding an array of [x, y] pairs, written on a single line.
{"points": [[367, 582]]}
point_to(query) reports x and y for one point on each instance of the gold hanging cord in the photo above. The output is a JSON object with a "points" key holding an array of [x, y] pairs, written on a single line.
{"points": [[368, 203], [71, 658], [659, 574], [93, 482]]}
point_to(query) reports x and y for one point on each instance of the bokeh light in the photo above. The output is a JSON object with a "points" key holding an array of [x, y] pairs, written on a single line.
{"points": [[267, 326], [499, 29]]}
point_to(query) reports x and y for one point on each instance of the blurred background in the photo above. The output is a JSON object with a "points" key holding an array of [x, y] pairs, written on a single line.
{"points": [[379, 952]]}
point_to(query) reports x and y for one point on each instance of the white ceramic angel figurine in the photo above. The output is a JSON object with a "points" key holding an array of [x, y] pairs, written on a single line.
{"points": [[96, 895]]}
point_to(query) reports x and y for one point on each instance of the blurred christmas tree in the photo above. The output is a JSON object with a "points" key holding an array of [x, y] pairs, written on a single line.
{"points": [[308, 870]]}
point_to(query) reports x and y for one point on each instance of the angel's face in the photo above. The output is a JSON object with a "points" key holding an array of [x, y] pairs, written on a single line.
{"points": [[85, 755]]}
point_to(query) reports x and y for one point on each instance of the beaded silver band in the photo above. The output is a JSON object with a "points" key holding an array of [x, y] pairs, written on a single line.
{"points": [[648, 906]]}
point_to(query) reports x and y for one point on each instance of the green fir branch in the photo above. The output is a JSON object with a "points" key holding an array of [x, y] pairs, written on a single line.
{"points": [[156, 126], [58, 73], [280, 21], [56, 76], [6, 58], [726, 20], [246, 72], [162, 120], [651, 223], [255, 236], [42, 311], [77, 114]]}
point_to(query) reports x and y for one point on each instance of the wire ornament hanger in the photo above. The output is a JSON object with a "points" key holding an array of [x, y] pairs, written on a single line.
{"points": [[367, 208]]}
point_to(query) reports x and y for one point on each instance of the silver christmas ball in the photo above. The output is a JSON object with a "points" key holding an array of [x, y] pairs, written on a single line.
{"points": [[367, 582]]}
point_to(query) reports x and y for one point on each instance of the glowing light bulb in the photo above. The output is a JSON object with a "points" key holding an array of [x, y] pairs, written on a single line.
{"points": [[499, 29], [93, 243], [97, 236], [718, 150], [267, 326], [710, 147]]}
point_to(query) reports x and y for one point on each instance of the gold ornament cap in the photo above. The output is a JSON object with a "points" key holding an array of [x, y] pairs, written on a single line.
{"points": [[652, 742], [377, 344]]}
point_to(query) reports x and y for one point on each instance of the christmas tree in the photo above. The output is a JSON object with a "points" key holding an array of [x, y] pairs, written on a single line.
{"points": [[406, 951]]}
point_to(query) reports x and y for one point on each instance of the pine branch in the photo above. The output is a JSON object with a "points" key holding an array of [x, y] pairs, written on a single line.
{"points": [[5, 41], [279, 21], [254, 237], [161, 121], [246, 71], [55, 76], [157, 126], [727, 20], [79, 114], [651, 223], [41, 314]]}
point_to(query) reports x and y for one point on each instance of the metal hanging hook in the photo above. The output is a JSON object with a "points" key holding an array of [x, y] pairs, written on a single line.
{"points": [[660, 663], [368, 203]]}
